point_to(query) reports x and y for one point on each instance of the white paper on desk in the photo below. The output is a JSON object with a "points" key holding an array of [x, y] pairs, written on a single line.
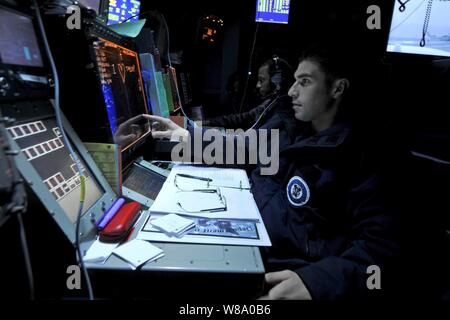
{"points": [[173, 224], [138, 252], [221, 177], [216, 232], [99, 251], [198, 201], [240, 203]]}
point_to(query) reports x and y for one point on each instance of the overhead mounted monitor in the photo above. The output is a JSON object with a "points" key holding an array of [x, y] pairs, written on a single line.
{"points": [[272, 11], [19, 47], [421, 28], [121, 10], [23, 69]]}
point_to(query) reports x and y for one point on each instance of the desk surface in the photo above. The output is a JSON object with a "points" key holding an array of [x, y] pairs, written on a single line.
{"points": [[193, 269], [194, 258], [186, 270]]}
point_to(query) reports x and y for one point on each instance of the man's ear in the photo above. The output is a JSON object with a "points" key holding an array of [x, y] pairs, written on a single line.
{"points": [[340, 87]]}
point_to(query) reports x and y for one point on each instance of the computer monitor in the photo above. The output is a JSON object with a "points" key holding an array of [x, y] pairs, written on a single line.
{"points": [[42, 145], [21, 46], [23, 72], [420, 28], [48, 168], [121, 10], [272, 11], [123, 91]]}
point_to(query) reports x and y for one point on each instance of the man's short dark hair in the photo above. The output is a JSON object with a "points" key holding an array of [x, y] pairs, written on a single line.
{"points": [[332, 60], [336, 61]]}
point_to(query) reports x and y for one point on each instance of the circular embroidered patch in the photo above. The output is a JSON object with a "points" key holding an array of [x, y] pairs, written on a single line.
{"points": [[297, 191]]}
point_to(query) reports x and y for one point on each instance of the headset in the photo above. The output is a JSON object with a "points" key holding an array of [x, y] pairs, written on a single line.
{"points": [[280, 71], [277, 77]]}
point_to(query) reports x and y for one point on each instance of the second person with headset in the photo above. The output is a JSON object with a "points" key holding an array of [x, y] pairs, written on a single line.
{"points": [[275, 111]]}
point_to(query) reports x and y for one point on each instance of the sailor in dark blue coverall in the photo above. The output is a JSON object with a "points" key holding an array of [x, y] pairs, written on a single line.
{"points": [[324, 210]]}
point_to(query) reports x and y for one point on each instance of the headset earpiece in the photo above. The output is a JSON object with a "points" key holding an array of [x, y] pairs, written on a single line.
{"points": [[276, 80], [277, 76]]}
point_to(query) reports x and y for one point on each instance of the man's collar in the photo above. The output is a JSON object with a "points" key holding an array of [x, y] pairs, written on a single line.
{"points": [[329, 138]]}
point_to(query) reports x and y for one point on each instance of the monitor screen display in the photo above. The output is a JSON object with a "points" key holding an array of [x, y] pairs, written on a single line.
{"points": [[121, 10], [123, 91], [42, 144], [272, 11], [143, 181], [18, 42], [420, 27]]}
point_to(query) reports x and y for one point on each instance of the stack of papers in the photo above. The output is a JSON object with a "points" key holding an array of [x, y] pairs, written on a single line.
{"points": [[184, 198], [218, 200], [138, 252], [173, 224], [211, 231], [99, 252]]}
